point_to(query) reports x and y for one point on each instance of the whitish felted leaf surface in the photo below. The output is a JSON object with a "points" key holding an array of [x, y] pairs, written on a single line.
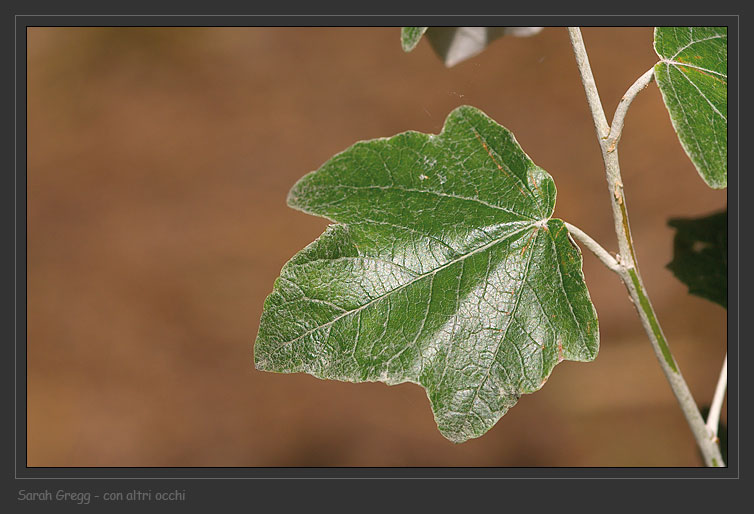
{"points": [[410, 37], [693, 79], [445, 269], [700, 255], [456, 44]]}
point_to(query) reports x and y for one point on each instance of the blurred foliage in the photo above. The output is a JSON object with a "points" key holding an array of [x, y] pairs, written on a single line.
{"points": [[700, 255]]}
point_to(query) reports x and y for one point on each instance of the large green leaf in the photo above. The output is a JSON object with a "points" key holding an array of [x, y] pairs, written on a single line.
{"points": [[700, 255], [445, 269], [693, 79], [456, 44]]}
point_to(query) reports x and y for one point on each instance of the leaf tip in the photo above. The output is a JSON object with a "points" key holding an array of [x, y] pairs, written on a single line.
{"points": [[717, 184], [410, 37], [291, 198], [455, 436], [297, 196], [260, 364]]}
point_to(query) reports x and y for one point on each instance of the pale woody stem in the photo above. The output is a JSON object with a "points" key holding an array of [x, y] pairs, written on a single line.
{"points": [[627, 268], [616, 128], [590, 87], [713, 418], [602, 254]]}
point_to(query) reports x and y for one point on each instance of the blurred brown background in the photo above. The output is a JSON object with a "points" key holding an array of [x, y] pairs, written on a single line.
{"points": [[158, 166]]}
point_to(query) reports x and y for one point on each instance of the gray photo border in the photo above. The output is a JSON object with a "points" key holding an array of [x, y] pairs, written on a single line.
{"points": [[37, 478]]}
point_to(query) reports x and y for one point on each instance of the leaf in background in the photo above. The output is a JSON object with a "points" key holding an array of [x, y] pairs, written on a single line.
{"points": [[700, 256], [456, 44], [693, 79], [410, 37], [444, 269]]}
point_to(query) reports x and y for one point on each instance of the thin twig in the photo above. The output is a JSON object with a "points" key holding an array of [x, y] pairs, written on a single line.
{"points": [[612, 168], [616, 128], [590, 87], [602, 254], [713, 419], [630, 275]]}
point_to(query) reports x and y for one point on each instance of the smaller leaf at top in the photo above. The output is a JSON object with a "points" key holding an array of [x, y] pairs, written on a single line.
{"points": [[693, 78], [410, 37], [456, 44], [700, 256]]}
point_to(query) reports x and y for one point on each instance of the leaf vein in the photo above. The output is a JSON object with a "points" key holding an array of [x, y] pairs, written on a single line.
{"points": [[420, 277]]}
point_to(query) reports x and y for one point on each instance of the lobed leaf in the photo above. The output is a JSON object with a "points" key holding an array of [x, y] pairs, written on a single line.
{"points": [[444, 269], [693, 79]]}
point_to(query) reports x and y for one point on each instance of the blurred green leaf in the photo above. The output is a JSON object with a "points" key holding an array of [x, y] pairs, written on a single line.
{"points": [[410, 37], [700, 255]]}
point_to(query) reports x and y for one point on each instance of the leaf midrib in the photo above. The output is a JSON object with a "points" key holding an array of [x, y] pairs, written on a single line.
{"points": [[435, 193], [694, 66], [488, 148], [505, 333], [420, 277], [716, 36]]}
